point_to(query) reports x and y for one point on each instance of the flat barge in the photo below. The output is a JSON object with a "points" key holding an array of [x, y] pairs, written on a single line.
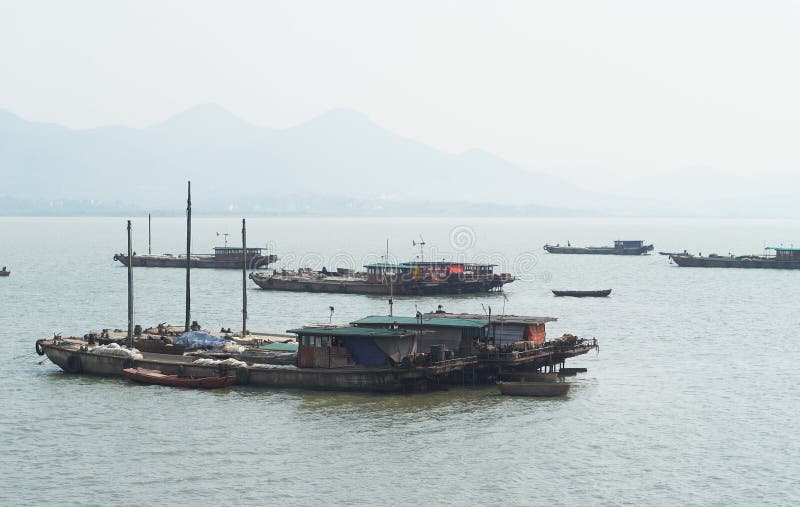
{"points": [[781, 258], [378, 354], [410, 278], [622, 247], [222, 258]]}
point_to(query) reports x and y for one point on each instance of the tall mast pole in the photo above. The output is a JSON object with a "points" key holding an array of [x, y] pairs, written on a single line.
{"points": [[188, 254], [130, 288], [244, 279], [149, 237]]}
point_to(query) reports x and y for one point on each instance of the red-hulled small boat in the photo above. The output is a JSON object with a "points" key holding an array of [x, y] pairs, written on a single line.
{"points": [[156, 377], [583, 293], [4, 272]]}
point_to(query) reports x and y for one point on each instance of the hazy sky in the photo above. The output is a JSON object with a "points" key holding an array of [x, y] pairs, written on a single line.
{"points": [[614, 88]]}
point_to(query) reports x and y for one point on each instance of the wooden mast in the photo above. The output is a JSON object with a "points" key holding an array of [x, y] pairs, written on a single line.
{"points": [[130, 288], [244, 279], [188, 255]]}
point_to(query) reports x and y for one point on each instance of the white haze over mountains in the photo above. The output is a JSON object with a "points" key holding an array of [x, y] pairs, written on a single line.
{"points": [[337, 163]]}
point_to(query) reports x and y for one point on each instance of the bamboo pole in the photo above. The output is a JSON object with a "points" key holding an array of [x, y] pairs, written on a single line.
{"points": [[130, 288], [244, 279], [188, 255]]}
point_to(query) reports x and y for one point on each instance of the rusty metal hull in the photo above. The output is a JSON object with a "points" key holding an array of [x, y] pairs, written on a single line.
{"points": [[598, 250], [751, 262], [169, 261], [410, 287], [411, 379]]}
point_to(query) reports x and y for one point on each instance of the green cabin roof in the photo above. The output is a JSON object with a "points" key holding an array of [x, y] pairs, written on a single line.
{"points": [[362, 332], [426, 321]]}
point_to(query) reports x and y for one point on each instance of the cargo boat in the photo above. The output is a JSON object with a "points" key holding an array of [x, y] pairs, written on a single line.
{"points": [[782, 258], [621, 247], [408, 278], [378, 353], [223, 258], [582, 293]]}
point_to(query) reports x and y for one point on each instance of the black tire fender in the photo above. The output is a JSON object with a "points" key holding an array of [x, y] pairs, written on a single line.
{"points": [[39, 349], [74, 364]]}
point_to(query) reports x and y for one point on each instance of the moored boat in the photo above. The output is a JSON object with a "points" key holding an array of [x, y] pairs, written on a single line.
{"points": [[583, 293], [782, 258], [408, 278], [223, 258], [147, 376], [541, 389], [621, 247], [4, 272]]}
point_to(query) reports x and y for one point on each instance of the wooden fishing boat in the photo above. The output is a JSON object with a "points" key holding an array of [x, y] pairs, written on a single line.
{"points": [[146, 376], [583, 293], [621, 247], [4, 272], [223, 258], [543, 389]]}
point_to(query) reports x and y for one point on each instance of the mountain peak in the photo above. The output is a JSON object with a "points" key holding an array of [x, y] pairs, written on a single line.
{"points": [[204, 116]]}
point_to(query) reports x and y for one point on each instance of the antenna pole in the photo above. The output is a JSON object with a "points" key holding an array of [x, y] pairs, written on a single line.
{"points": [[244, 279], [130, 288], [188, 255], [149, 237]]}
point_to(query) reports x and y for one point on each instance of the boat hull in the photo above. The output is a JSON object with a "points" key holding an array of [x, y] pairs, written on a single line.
{"points": [[537, 389], [146, 376], [5, 273], [583, 293], [169, 261], [414, 379], [590, 250], [410, 288], [733, 262]]}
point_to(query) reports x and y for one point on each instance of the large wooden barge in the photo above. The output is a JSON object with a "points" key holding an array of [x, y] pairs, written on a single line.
{"points": [[782, 258], [222, 258], [621, 247], [409, 278], [377, 353]]}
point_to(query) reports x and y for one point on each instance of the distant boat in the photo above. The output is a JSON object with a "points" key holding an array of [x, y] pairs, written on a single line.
{"points": [[407, 278], [156, 377], [534, 388], [783, 258], [583, 293], [223, 257], [622, 247], [5, 272]]}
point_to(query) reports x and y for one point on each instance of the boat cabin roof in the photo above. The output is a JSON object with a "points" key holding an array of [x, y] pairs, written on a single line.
{"points": [[431, 320], [782, 249], [498, 319], [426, 264], [349, 331]]}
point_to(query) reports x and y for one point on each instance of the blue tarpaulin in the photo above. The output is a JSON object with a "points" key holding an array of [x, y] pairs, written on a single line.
{"points": [[198, 339]]}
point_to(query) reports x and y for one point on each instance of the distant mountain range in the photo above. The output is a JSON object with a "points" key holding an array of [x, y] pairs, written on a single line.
{"points": [[339, 163]]}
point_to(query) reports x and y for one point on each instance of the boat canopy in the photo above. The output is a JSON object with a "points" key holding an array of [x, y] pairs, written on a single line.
{"points": [[198, 339]]}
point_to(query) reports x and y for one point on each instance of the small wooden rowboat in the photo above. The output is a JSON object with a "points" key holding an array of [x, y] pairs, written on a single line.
{"points": [[3, 272], [156, 377], [534, 388], [583, 293]]}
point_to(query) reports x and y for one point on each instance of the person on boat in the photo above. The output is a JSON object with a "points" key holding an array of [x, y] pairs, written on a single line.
{"points": [[568, 243]]}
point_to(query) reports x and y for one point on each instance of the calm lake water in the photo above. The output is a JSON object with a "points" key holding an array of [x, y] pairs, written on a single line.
{"points": [[692, 399]]}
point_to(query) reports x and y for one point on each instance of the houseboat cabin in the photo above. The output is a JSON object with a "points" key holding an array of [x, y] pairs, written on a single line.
{"points": [[786, 254], [429, 271], [225, 252], [350, 346], [620, 244], [457, 335]]}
